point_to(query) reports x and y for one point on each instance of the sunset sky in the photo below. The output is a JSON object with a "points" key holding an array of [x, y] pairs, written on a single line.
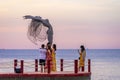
{"points": [[93, 23]]}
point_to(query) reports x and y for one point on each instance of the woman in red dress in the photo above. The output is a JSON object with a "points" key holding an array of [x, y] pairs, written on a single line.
{"points": [[48, 56]]}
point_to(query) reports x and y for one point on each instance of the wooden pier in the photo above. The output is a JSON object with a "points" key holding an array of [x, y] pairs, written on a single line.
{"points": [[49, 75]]}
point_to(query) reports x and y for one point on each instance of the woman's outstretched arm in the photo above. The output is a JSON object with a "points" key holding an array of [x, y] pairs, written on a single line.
{"points": [[38, 18]]}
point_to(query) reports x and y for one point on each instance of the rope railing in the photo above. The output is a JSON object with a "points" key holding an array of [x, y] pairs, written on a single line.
{"points": [[33, 66], [29, 66], [67, 66], [4, 65]]}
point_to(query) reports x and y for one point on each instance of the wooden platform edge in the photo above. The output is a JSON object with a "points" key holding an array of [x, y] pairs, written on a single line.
{"points": [[44, 75]]}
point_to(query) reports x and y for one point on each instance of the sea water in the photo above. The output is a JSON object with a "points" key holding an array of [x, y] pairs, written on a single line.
{"points": [[105, 63]]}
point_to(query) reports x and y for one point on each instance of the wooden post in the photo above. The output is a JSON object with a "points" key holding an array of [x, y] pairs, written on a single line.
{"points": [[22, 66], [49, 66], [36, 65], [76, 66], [15, 64], [89, 65], [83, 69], [61, 64]]}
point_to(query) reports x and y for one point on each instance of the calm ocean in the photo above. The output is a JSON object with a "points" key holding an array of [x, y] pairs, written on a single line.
{"points": [[105, 62]]}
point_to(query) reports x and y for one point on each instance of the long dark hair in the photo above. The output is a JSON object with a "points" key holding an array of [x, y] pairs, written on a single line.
{"points": [[54, 47], [82, 48], [49, 47]]}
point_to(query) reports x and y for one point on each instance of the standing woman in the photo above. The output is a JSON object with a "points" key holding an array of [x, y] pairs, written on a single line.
{"points": [[54, 58], [48, 55], [82, 53]]}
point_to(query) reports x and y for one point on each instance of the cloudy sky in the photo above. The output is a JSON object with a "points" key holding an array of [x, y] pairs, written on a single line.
{"points": [[93, 23]]}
